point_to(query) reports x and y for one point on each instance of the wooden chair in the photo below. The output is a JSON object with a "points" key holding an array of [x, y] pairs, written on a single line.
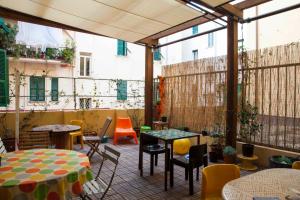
{"points": [[100, 185], [34, 140], [124, 128], [150, 145], [195, 159], [214, 177], [75, 134], [2, 147], [94, 141]]}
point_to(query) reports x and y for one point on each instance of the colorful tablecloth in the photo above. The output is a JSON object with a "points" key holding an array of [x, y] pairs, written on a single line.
{"points": [[40, 174]]}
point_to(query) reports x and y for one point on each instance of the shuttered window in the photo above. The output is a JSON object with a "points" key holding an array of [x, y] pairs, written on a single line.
{"points": [[37, 88], [121, 48], [54, 89], [157, 54], [3, 78], [121, 90]]}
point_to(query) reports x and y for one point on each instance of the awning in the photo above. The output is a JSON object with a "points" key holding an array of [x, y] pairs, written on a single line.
{"points": [[130, 20]]}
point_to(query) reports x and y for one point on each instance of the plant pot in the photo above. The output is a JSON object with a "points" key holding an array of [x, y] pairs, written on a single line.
{"points": [[137, 130], [229, 159], [213, 157], [164, 119], [279, 161], [247, 150]]}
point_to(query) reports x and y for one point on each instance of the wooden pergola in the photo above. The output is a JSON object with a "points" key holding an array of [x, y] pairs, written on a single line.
{"points": [[41, 14]]}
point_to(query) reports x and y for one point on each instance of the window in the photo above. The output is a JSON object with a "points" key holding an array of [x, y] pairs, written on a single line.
{"points": [[85, 64], [37, 88], [85, 103], [195, 30], [195, 54], [210, 39], [121, 48], [3, 78], [157, 54], [54, 89], [122, 90]]}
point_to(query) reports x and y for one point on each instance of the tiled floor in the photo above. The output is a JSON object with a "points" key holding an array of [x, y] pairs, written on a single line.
{"points": [[128, 184]]}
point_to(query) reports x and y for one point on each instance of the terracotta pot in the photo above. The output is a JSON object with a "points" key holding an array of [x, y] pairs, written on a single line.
{"points": [[229, 159]]}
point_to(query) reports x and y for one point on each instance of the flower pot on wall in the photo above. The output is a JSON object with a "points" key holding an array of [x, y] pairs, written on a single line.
{"points": [[247, 150]]}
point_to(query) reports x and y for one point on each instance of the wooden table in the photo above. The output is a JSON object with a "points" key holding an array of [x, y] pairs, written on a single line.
{"points": [[59, 133], [168, 136], [160, 125], [43, 174], [276, 182], [247, 162]]}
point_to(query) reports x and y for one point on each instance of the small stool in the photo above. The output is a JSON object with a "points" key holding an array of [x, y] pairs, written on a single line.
{"points": [[247, 162]]}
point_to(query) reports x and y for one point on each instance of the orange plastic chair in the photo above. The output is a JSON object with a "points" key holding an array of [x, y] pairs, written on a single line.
{"points": [[214, 177], [296, 165], [76, 133], [124, 128]]}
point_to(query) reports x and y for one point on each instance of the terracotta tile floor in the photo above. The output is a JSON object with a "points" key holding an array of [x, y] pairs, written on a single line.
{"points": [[128, 184]]}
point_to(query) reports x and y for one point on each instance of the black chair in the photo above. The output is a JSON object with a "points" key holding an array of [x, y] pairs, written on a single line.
{"points": [[99, 186], [195, 159], [150, 145]]}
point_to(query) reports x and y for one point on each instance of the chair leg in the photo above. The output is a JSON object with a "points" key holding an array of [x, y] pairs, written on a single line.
{"points": [[186, 173], [135, 139], [71, 142], [171, 173], [81, 141], [151, 164], [191, 180], [197, 176], [115, 139], [156, 159]]}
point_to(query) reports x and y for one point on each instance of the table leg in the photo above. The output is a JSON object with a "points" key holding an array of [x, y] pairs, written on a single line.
{"points": [[166, 166], [141, 155], [198, 139]]}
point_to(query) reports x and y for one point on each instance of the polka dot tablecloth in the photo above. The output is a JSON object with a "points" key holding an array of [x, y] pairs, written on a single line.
{"points": [[43, 174]]}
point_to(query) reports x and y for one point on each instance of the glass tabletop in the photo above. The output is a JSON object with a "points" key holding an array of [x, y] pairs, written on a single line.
{"points": [[171, 134]]}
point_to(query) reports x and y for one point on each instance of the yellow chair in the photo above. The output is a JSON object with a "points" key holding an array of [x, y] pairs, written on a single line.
{"points": [[296, 165], [76, 133], [214, 177]]}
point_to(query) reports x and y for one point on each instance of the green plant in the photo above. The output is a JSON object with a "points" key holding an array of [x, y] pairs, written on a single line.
{"points": [[229, 150], [217, 134], [8, 38], [250, 125], [68, 53], [51, 53], [283, 160]]}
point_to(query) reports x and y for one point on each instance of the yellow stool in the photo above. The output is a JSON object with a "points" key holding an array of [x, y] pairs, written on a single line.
{"points": [[76, 133], [181, 146], [247, 162]]}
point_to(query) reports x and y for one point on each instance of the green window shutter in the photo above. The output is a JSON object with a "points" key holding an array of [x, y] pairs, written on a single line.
{"points": [[121, 48], [195, 30], [121, 90], [3, 78], [54, 89], [37, 88], [157, 54]]}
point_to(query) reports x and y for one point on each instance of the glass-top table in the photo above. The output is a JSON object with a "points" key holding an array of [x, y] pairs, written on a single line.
{"points": [[168, 136]]}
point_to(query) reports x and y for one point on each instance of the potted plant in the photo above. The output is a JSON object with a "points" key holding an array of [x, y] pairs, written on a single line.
{"points": [[229, 154], [217, 145], [249, 126]]}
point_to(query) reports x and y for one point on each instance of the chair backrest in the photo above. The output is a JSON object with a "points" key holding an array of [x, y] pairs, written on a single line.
{"points": [[196, 154], [77, 122], [123, 123], [34, 140], [214, 177], [105, 127], [2, 147], [148, 140], [296, 165], [112, 156]]}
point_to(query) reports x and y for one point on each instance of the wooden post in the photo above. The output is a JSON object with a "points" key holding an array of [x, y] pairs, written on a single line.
{"points": [[17, 106], [148, 86], [232, 81]]}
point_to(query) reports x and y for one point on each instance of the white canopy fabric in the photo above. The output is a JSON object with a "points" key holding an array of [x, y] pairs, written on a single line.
{"points": [[130, 20], [37, 35]]}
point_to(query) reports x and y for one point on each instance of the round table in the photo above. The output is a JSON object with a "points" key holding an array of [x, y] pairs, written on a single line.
{"points": [[277, 182], [59, 133], [43, 174]]}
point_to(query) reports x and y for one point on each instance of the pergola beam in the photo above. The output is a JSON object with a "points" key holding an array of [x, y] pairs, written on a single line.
{"points": [[201, 20]]}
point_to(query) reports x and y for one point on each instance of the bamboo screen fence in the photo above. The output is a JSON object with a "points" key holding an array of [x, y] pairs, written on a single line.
{"points": [[195, 93]]}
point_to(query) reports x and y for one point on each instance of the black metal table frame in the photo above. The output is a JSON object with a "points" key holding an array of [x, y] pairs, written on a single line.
{"points": [[167, 159]]}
